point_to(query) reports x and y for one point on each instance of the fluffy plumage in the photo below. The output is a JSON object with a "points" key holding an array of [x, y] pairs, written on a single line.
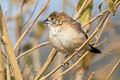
{"points": [[66, 34]]}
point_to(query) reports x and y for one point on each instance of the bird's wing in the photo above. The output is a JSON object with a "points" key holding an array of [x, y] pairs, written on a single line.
{"points": [[77, 26]]}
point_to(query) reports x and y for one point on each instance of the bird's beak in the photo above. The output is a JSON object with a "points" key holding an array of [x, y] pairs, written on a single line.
{"points": [[46, 21]]}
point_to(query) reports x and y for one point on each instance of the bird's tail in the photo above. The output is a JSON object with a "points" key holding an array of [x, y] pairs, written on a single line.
{"points": [[94, 50]]}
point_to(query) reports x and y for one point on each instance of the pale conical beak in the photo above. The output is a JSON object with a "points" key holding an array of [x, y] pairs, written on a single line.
{"points": [[46, 21]]}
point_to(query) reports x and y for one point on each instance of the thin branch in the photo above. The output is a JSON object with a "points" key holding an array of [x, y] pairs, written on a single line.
{"points": [[31, 13], [114, 68], [91, 75], [9, 50], [47, 63], [93, 19], [101, 42], [31, 50], [70, 57], [30, 26], [100, 33], [76, 63], [81, 9]]}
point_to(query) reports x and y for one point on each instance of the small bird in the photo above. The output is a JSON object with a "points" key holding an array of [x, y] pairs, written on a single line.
{"points": [[66, 34]]}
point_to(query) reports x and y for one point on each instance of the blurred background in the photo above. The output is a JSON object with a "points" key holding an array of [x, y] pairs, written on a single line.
{"points": [[18, 19]]}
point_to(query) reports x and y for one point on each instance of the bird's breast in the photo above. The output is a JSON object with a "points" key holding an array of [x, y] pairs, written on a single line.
{"points": [[65, 40]]}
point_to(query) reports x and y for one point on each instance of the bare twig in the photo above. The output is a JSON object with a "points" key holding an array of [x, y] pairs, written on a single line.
{"points": [[91, 75], [9, 49], [34, 48], [31, 13], [78, 61], [47, 63], [30, 26], [114, 68], [100, 33], [101, 42], [93, 19], [81, 9], [70, 57]]}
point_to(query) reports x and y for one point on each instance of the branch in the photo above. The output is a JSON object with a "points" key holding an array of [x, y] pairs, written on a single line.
{"points": [[100, 33], [8, 47], [31, 50], [81, 9], [31, 13], [47, 63], [93, 19], [114, 68], [91, 75], [30, 26], [71, 67]]}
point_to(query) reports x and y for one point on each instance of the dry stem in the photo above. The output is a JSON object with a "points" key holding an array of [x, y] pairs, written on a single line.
{"points": [[30, 26], [93, 19], [100, 33], [91, 75], [34, 48], [114, 68], [47, 63], [31, 13], [9, 50], [81, 9]]}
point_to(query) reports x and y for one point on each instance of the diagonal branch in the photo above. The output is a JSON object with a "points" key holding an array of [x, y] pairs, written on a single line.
{"points": [[114, 68], [47, 63], [8, 47], [81, 9], [30, 26], [34, 48]]}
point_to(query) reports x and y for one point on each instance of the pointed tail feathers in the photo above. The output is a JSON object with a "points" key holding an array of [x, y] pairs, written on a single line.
{"points": [[94, 50]]}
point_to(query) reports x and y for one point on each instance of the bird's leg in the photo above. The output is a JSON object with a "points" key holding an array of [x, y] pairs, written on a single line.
{"points": [[66, 65], [77, 53]]}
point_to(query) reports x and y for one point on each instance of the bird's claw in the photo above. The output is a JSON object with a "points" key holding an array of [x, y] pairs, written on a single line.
{"points": [[66, 65], [77, 53]]}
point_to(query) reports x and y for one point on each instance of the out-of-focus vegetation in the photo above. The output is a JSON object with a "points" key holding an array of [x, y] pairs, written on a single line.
{"points": [[20, 14]]}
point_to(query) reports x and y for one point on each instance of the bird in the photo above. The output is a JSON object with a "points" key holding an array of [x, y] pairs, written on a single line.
{"points": [[66, 34]]}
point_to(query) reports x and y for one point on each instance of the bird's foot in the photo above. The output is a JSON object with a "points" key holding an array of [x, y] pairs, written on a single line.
{"points": [[77, 53], [66, 65]]}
